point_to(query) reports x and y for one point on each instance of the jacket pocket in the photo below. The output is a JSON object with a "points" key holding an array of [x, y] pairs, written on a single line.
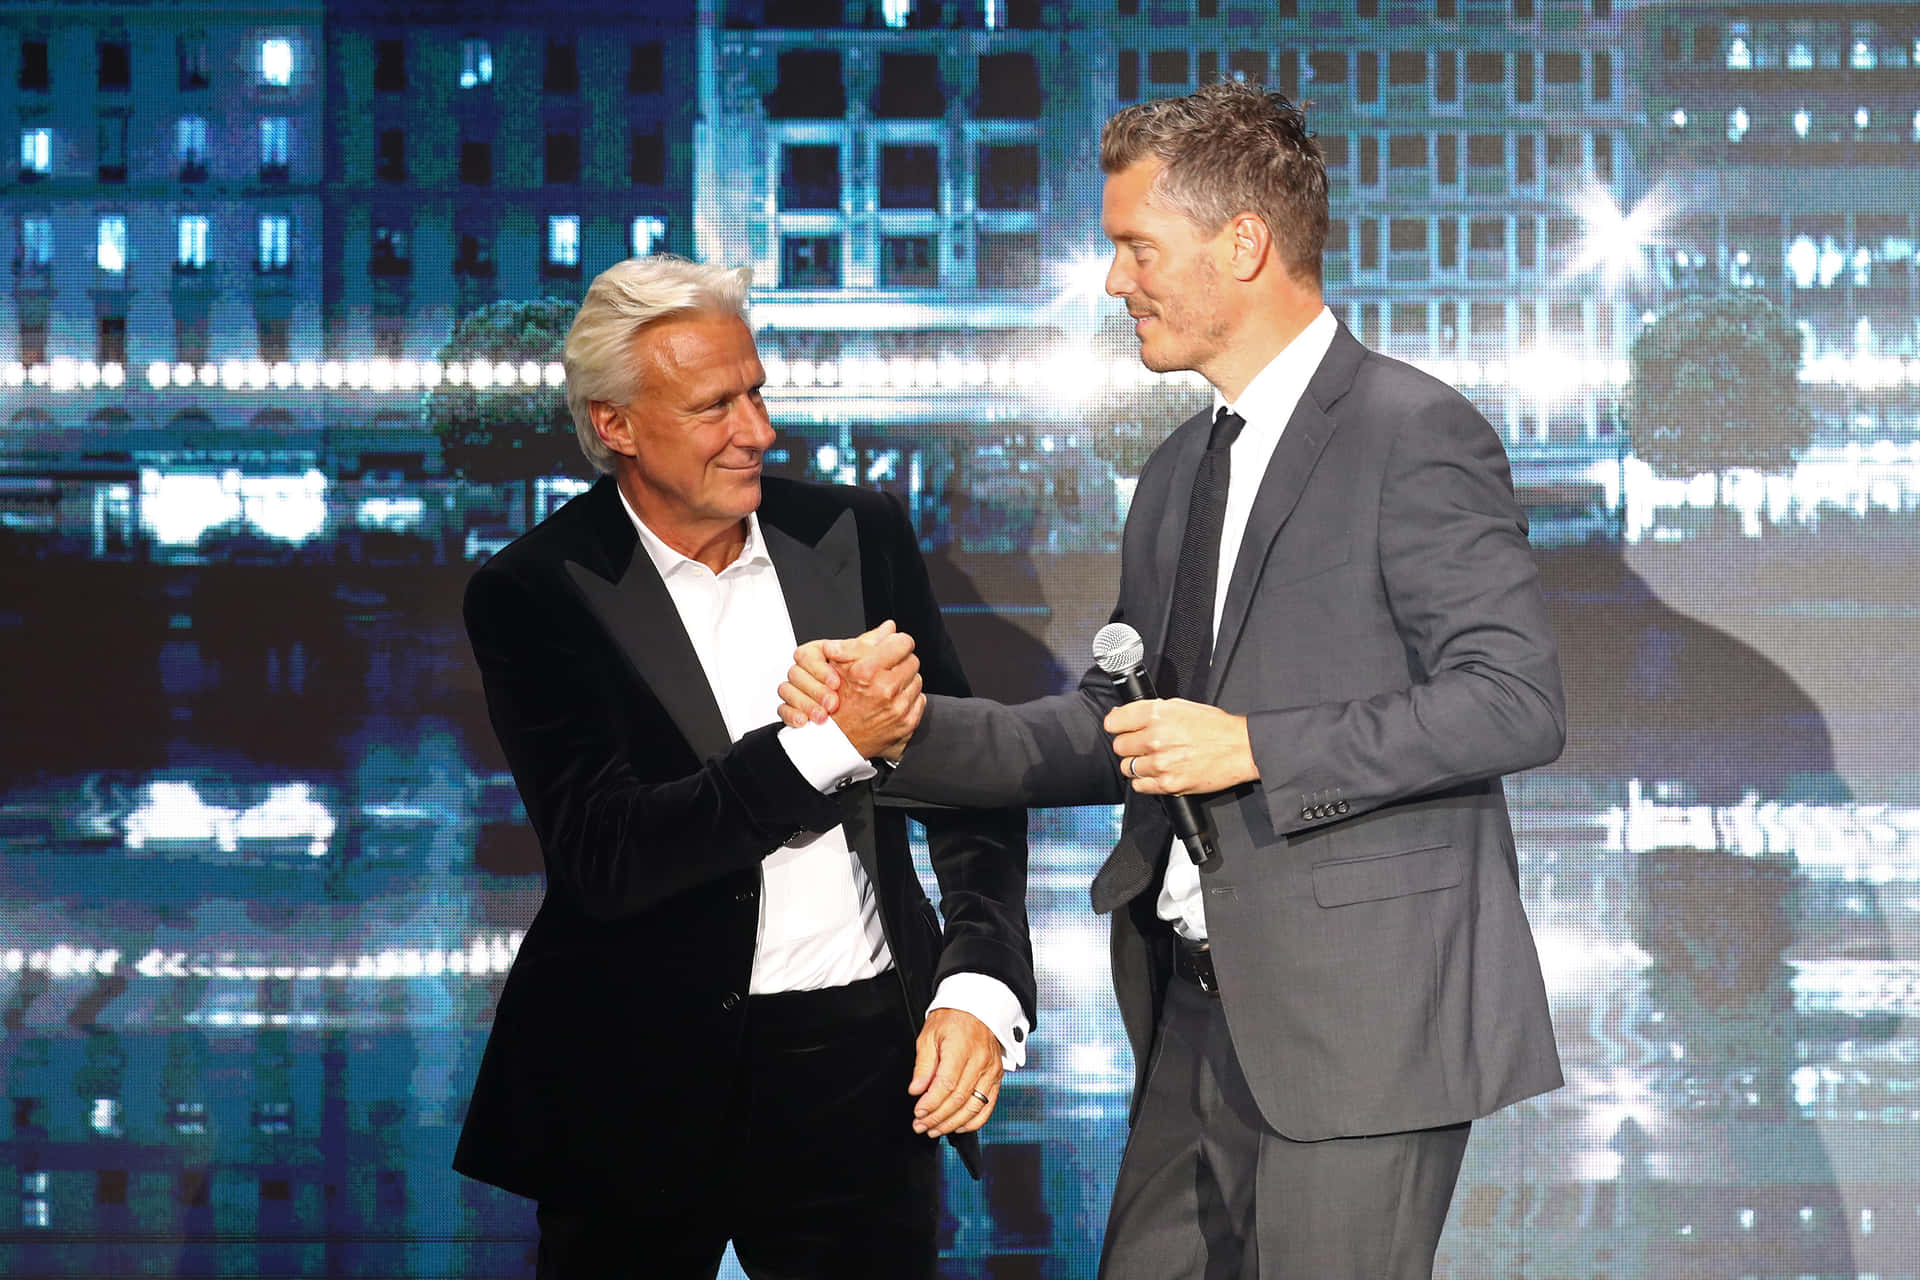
{"points": [[1388, 875]]}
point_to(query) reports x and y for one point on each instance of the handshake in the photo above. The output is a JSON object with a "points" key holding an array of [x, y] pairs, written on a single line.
{"points": [[869, 685]]}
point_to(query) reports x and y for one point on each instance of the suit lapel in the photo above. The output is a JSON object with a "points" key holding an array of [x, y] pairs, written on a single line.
{"points": [[1306, 435], [1172, 529]]}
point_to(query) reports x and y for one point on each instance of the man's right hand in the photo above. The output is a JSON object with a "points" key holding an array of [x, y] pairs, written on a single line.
{"points": [[868, 684]]}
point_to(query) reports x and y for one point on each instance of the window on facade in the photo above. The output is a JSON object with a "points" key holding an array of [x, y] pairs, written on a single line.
{"points": [[1446, 76], [275, 145], [646, 235], [910, 87], [809, 87], [110, 346], [392, 253], [390, 66], [910, 177], [646, 67], [476, 163], [1446, 159], [1206, 8], [563, 157], [1407, 151], [1487, 235], [36, 245], [1406, 67], [1366, 78], [1328, 67], [1167, 66], [562, 255], [110, 244], [116, 65], [113, 147], [476, 63], [1409, 319], [33, 350], [1603, 156], [1369, 160], [191, 237], [810, 177], [561, 69], [1369, 257], [1009, 87], [1333, 150], [1486, 150], [647, 158], [36, 154], [276, 62], [190, 147], [1524, 168], [1206, 66], [809, 262], [275, 243], [274, 338], [1249, 65], [1009, 260], [1602, 88], [36, 72], [1126, 78], [1526, 242], [1336, 237], [908, 262], [1523, 10], [390, 156], [1563, 68], [1287, 74], [196, 67], [473, 251], [192, 329], [1446, 10], [1009, 177], [1563, 151], [1407, 235], [1447, 243], [1486, 68], [1523, 77]]}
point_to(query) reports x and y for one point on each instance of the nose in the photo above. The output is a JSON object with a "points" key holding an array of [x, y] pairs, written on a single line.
{"points": [[1119, 282], [753, 429]]}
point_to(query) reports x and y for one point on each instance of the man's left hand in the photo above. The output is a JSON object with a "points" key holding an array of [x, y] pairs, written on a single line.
{"points": [[1169, 747], [956, 1056]]}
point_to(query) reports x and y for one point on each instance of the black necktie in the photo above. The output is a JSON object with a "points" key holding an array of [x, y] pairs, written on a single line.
{"points": [[1189, 650]]}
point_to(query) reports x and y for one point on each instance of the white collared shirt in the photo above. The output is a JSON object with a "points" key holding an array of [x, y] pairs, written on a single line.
{"points": [[1266, 405], [819, 918]]}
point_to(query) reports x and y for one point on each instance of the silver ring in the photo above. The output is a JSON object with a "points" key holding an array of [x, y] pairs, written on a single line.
{"points": [[983, 1097], [1126, 766]]}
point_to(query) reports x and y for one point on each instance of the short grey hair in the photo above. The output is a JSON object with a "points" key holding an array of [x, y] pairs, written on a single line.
{"points": [[623, 300]]}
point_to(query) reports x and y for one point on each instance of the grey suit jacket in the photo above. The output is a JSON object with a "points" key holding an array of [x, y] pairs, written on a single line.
{"points": [[1385, 637]]}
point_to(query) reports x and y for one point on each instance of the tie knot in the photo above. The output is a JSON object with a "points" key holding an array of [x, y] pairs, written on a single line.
{"points": [[1226, 429]]}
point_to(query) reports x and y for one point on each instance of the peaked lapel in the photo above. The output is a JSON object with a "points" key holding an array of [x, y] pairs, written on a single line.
{"points": [[1301, 444]]}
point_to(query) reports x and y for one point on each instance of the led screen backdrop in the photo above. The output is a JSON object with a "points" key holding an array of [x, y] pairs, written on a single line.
{"points": [[275, 374]]}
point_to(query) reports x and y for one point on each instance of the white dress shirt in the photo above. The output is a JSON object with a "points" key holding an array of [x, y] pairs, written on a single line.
{"points": [[819, 919], [1266, 404]]}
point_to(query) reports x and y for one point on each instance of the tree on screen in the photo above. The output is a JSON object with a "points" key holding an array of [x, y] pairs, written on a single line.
{"points": [[1714, 383], [500, 431]]}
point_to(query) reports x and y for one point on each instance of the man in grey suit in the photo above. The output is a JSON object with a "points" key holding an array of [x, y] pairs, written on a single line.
{"points": [[1343, 617]]}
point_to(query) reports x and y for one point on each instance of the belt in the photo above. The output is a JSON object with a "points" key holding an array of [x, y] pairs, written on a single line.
{"points": [[1194, 962]]}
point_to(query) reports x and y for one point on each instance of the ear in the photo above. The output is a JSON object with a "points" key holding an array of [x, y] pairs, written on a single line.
{"points": [[1252, 241], [610, 424]]}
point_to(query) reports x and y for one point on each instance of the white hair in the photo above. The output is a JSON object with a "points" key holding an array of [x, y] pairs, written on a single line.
{"points": [[623, 300]]}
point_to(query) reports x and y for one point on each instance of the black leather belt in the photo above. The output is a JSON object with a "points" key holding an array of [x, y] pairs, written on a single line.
{"points": [[1194, 963]]}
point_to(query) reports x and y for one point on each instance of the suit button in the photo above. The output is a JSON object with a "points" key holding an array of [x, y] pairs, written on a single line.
{"points": [[745, 895], [1341, 807], [1306, 815], [730, 1001]]}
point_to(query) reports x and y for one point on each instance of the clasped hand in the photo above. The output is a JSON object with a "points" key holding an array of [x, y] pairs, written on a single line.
{"points": [[1166, 746]]}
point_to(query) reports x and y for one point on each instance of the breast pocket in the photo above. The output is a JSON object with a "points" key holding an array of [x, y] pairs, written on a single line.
{"points": [[1388, 875]]}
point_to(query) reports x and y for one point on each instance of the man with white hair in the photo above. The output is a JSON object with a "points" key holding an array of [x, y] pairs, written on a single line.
{"points": [[709, 1033]]}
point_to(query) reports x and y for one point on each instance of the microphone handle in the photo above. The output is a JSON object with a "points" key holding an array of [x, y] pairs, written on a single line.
{"points": [[1189, 823]]}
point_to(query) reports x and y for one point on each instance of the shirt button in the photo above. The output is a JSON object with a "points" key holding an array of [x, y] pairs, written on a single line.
{"points": [[730, 1001], [1019, 1034], [745, 895]]}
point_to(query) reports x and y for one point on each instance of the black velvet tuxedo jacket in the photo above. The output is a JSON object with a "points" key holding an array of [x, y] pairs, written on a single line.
{"points": [[1385, 637], [616, 1034]]}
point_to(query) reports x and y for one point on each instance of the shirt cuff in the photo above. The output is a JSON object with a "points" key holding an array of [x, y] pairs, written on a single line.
{"points": [[824, 756], [994, 1003]]}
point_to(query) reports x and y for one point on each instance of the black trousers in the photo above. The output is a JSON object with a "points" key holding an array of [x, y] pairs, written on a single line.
{"points": [[816, 1172]]}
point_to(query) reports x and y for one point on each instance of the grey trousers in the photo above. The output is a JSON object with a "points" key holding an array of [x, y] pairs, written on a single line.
{"points": [[1207, 1191]]}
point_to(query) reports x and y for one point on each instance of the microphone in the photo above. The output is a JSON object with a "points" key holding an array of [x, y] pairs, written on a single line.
{"points": [[1119, 651]]}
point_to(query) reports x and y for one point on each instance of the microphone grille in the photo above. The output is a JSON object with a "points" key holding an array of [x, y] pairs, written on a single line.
{"points": [[1117, 647]]}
